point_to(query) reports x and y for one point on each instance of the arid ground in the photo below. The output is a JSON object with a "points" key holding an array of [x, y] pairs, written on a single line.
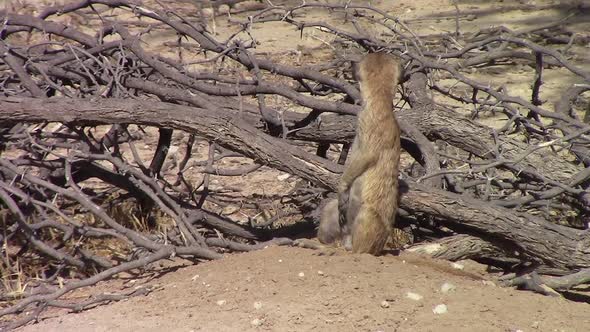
{"points": [[292, 289]]}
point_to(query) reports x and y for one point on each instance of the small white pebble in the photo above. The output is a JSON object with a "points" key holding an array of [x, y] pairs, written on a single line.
{"points": [[457, 266], [280, 260], [535, 325], [195, 277], [283, 177], [447, 287], [440, 309], [301, 274], [256, 322], [257, 305], [384, 304], [321, 272], [221, 302], [414, 296]]}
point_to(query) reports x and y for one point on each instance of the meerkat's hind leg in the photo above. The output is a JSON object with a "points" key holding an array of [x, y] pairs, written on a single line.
{"points": [[369, 234], [352, 210]]}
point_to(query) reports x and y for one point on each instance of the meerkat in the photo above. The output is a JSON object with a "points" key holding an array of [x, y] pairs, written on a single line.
{"points": [[375, 158], [330, 231]]}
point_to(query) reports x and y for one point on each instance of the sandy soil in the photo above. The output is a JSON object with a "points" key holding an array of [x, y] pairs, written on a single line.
{"points": [[292, 289]]}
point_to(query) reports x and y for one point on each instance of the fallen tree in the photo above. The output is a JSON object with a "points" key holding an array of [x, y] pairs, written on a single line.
{"points": [[559, 247]]}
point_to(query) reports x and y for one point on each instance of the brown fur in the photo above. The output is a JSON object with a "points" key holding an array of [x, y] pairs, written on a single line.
{"points": [[375, 158], [330, 230]]}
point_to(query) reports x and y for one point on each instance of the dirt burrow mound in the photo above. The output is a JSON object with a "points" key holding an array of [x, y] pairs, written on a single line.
{"points": [[292, 289]]}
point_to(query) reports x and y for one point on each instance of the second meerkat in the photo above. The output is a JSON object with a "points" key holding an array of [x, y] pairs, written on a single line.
{"points": [[375, 157]]}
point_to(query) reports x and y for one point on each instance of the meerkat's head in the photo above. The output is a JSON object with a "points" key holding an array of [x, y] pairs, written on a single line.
{"points": [[378, 73]]}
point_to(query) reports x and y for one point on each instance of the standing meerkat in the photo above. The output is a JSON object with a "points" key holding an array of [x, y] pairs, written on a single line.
{"points": [[375, 158]]}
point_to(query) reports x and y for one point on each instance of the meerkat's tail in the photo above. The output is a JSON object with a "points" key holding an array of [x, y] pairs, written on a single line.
{"points": [[370, 233]]}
